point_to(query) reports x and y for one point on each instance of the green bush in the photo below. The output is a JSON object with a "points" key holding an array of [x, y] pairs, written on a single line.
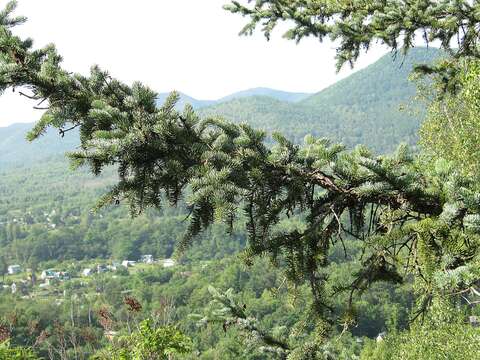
{"points": [[446, 342]]}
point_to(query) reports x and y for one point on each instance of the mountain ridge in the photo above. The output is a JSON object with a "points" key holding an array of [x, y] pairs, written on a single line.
{"points": [[256, 91], [362, 108]]}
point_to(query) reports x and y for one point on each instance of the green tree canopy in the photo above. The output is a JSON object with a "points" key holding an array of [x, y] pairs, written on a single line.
{"points": [[356, 25], [413, 216], [16, 353], [149, 342], [451, 129]]}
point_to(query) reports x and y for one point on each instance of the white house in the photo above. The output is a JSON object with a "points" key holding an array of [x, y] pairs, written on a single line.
{"points": [[381, 336], [147, 259], [168, 263], [48, 274], [102, 268], [14, 269], [474, 321], [87, 272], [128, 263], [114, 266]]}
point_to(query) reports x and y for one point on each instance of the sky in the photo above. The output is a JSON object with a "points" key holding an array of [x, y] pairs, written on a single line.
{"points": [[187, 45]]}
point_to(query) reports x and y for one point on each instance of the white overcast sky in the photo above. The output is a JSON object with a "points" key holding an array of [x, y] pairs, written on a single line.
{"points": [[187, 45]]}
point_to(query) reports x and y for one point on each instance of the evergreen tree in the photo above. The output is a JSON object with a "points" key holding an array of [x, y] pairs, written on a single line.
{"points": [[16, 353], [413, 215], [356, 25], [451, 128]]}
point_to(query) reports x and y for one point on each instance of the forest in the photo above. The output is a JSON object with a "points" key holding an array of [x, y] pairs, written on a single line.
{"points": [[259, 226]]}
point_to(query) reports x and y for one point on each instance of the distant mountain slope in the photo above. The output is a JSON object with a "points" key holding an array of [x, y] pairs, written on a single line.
{"points": [[260, 91], [266, 113], [384, 80], [184, 100], [272, 93], [15, 150], [361, 109]]}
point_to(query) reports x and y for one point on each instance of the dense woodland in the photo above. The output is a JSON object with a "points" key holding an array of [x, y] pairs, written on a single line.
{"points": [[287, 246], [32, 204]]}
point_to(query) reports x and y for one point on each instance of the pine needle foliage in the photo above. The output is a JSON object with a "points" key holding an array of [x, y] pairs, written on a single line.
{"points": [[413, 218], [228, 311], [355, 25], [451, 128]]}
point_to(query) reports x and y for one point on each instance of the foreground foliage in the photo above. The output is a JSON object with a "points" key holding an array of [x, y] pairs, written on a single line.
{"points": [[415, 216], [455, 341], [15, 353], [452, 129], [181, 297], [149, 342]]}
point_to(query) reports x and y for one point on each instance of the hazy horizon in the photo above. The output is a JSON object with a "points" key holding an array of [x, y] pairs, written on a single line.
{"points": [[184, 45], [3, 124]]}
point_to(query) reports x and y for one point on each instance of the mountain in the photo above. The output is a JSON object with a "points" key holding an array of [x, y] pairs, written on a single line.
{"points": [[386, 80], [272, 93], [259, 91], [364, 108], [266, 113], [16, 150], [361, 109], [184, 100]]}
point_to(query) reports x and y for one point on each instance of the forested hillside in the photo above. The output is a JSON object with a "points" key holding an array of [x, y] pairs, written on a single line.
{"points": [[46, 222], [353, 111], [46, 215], [185, 99], [272, 93], [15, 150], [364, 108], [46, 219], [35, 179], [260, 91]]}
